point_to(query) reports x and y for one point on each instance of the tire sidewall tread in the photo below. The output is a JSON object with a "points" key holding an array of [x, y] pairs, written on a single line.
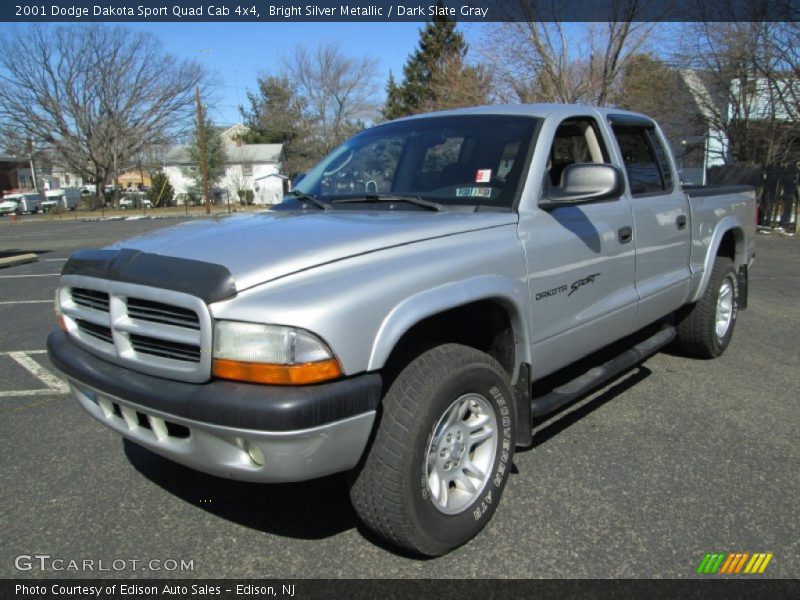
{"points": [[389, 492]]}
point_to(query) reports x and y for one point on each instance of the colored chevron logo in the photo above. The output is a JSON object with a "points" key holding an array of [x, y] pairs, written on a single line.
{"points": [[734, 563]]}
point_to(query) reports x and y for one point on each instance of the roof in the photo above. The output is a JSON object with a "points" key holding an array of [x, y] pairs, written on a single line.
{"points": [[541, 110], [236, 154]]}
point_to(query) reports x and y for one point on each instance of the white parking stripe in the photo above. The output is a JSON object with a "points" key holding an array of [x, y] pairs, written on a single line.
{"points": [[23, 352], [26, 302], [54, 259], [20, 393], [38, 371], [37, 275]]}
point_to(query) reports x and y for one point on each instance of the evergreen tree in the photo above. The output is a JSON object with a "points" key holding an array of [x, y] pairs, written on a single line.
{"points": [[215, 156], [275, 113], [439, 45], [161, 191]]}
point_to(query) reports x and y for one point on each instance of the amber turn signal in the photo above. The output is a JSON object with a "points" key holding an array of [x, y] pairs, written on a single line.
{"points": [[297, 374]]}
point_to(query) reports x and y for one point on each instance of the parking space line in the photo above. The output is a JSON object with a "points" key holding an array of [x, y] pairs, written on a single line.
{"points": [[26, 302], [36, 275], [21, 393], [54, 259], [28, 352], [38, 371]]}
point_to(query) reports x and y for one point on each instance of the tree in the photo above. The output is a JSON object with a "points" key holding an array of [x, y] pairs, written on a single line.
{"points": [[749, 88], [744, 77], [314, 101], [161, 192], [206, 142], [538, 61], [337, 93], [645, 83], [276, 116], [456, 85], [438, 58], [97, 95]]}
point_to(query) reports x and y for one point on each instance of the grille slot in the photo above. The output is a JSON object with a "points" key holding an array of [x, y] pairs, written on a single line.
{"points": [[157, 312], [165, 348], [96, 331], [90, 299]]}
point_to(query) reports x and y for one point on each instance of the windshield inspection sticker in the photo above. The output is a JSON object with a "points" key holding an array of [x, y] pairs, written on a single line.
{"points": [[480, 192], [483, 176]]}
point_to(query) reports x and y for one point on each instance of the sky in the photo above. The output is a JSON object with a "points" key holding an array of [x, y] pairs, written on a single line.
{"points": [[239, 52]]}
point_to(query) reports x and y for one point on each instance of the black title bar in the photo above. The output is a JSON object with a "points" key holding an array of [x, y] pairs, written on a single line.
{"points": [[376, 11]]}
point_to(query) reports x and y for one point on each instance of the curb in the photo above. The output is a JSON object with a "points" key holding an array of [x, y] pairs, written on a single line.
{"points": [[19, 259]]}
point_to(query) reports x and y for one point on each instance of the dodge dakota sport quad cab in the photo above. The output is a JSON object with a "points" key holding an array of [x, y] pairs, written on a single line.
{"points": [[402, 314]]}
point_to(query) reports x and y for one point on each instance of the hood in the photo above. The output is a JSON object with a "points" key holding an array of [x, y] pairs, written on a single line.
{"points": [[263, 247]]}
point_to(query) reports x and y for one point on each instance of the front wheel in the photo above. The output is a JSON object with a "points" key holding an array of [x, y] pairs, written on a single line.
{"points": [[705, 329], [442, 452]]}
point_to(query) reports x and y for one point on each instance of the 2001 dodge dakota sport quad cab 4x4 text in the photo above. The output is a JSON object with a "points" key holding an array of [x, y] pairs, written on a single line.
{"points": [[399, 315]]}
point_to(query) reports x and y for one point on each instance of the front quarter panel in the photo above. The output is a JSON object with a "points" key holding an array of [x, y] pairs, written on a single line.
{"points": [[362, 305]]}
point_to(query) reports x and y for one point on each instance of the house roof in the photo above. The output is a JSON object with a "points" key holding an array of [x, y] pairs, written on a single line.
{"points": [[708, 100], [236, 154]]}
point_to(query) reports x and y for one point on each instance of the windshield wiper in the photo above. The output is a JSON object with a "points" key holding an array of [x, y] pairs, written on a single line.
{"points": [[416, 200], [303, 197]]}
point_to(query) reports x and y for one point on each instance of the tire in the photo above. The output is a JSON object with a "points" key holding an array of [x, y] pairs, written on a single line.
{"points": [[398, 490], [705, 328]]}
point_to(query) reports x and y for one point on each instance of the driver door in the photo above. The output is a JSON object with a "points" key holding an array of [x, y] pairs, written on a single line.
{"points": [[581, 260]]}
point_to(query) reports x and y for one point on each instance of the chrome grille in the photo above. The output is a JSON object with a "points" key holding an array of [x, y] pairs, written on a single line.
{"points": [[152, 330], [165, 349], [100, 332], [158, 312], [90, 299]]}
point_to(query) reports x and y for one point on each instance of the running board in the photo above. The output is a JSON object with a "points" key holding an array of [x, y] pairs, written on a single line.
{"points": [[593, 378]]}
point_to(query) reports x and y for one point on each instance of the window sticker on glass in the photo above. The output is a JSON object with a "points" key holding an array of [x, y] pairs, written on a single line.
{"points": [[480, 192], [483, 176]]}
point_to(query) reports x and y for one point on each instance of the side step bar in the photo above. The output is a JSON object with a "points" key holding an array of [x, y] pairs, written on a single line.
{"points": [[593, 378]]}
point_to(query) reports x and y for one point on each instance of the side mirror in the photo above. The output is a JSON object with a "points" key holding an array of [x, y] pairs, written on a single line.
{"points": [[584, 182]]}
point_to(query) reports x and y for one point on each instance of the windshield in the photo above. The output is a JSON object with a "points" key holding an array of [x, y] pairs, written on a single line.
{"points": [[472, 160]]}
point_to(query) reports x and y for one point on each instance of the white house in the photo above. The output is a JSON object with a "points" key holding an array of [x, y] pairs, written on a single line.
{"points": [[248, 167]]}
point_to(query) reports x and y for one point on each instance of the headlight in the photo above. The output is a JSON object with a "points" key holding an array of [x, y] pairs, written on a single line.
{"points": [[271, 354]]}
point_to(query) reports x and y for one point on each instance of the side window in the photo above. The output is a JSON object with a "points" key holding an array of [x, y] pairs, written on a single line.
{"points": [[577, 140], [647, 171]]}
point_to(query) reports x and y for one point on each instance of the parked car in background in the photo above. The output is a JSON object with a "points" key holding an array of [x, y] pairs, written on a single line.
{"points": [[130, 202], [9, 207]]}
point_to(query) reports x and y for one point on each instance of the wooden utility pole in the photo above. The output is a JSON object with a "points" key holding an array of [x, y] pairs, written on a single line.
{"points": [[201, 143]]}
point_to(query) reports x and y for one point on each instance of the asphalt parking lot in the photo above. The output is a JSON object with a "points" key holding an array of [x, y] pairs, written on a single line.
{"points": [[676, 459]]}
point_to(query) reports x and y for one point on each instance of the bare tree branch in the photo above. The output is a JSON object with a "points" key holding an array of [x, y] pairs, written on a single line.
{"points": [[97, 95]]}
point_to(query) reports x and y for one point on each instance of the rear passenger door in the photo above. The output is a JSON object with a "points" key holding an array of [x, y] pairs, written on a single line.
{"points": [[660, 215]]}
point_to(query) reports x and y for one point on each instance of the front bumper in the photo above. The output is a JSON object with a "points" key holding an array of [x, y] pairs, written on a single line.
{"points": [[234, 430]]}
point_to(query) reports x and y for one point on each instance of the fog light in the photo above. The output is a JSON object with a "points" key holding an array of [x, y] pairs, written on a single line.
{"points": [[255, 453]]}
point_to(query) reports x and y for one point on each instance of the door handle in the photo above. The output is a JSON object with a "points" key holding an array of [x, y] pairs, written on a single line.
{"points": [[625, 234], [680, 221]]}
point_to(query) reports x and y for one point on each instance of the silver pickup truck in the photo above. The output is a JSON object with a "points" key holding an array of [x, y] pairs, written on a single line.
{"points": [[428, 290]]}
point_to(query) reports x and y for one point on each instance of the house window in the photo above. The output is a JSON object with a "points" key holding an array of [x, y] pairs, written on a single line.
{"points": [[66, 179], [247, 170]]}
